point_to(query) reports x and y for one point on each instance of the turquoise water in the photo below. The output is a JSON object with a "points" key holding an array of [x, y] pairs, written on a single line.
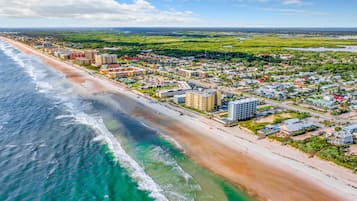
{"points": [[56, 145]]}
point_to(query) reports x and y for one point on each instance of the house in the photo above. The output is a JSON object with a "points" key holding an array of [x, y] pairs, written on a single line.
{"points": [[269, 130], [341, 138], [170, 93], [320, 102], [133, 59], [188, 73], [339, 98], [247, 82], [350, 129], [271, 92], [329, 98], [293, 127], [285, 56]]}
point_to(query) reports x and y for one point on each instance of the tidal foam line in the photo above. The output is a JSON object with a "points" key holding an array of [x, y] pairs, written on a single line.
{"points": [[74, 106], [145, 182]]}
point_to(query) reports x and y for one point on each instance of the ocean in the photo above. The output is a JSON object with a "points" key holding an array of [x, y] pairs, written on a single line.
{"points": [[57, 145]]}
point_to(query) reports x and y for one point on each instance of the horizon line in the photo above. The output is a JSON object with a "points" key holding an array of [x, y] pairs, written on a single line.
{"points": [[182, 27]]}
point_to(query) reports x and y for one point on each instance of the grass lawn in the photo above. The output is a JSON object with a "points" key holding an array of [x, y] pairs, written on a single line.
{"points": [[253, 125], [265, 107], [152, 91], [320, 147]]}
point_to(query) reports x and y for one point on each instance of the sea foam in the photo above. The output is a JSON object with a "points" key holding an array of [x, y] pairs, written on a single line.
{"points": [[75, 107], [163, 157]]}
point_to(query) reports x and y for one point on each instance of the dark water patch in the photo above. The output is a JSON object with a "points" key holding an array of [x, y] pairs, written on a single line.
{"points": [[45, 155]]}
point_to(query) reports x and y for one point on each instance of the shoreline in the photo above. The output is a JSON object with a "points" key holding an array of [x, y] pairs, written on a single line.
{"points": [[263, 169]]}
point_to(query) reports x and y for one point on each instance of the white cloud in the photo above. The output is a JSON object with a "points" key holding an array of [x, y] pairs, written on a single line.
{"points": [[136, 13], [297, 2], [295, 11], [290, 2], [287, 2]]}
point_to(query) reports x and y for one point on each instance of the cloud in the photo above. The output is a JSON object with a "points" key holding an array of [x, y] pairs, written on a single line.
{"points": [[297, 3], [136, 13], [287, 2], [291, 2], [295, 11]]}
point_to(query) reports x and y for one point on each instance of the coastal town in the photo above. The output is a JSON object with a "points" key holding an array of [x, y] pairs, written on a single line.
{"points": [[313, 111], [178, 100]]}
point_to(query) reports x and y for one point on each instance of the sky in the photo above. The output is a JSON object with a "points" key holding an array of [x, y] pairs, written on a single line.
{"points": [[178, 13]]}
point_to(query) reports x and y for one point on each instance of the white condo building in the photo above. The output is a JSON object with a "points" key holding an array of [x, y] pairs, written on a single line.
{"points": [[242, 109]]}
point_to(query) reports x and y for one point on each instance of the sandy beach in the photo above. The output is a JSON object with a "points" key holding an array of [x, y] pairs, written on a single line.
{"points": [[264, 169]]}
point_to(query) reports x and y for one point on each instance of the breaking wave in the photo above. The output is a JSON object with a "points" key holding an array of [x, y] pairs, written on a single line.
{"points": [[55, 87]]}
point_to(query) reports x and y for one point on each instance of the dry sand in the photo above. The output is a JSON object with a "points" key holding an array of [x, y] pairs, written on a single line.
{"points": [[264, 169]]}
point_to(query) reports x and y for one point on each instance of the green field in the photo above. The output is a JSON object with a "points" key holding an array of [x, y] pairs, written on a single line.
{"points": [[254, 50], [204, 43], [210, 44]]}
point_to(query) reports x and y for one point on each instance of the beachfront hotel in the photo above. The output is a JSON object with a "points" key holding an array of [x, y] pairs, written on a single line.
{"points": [[205, 101], [242, 109], [104, 59], [90, 54]]}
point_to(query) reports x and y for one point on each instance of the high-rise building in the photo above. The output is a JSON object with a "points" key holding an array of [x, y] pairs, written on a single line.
{"points": [[104, 59], [242, 109], [205, 101], [90, 54]]}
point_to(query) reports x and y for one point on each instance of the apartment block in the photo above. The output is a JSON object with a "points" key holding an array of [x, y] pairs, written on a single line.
{"points": [[242, 109], [90, 54], [205, 101], [122, 72], [104, 59]]}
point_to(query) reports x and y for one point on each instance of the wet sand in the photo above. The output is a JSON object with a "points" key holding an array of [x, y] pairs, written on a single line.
{"points": [[220, 149]]}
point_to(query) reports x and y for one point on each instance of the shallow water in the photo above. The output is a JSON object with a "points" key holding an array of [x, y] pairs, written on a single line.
{"points": [[324, 49]]}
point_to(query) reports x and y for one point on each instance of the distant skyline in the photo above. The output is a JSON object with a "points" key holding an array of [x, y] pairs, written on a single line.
{"points": [[178, 13]]}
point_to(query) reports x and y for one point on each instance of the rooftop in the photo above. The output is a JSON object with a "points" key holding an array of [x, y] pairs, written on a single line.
{"points": [[246, 100], [207, 92], [293, 125]]}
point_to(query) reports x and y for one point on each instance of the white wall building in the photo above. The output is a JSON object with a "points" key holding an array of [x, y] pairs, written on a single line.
{"points": [[341, 138], [170, 93], [178, 99], [242, 109]]}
